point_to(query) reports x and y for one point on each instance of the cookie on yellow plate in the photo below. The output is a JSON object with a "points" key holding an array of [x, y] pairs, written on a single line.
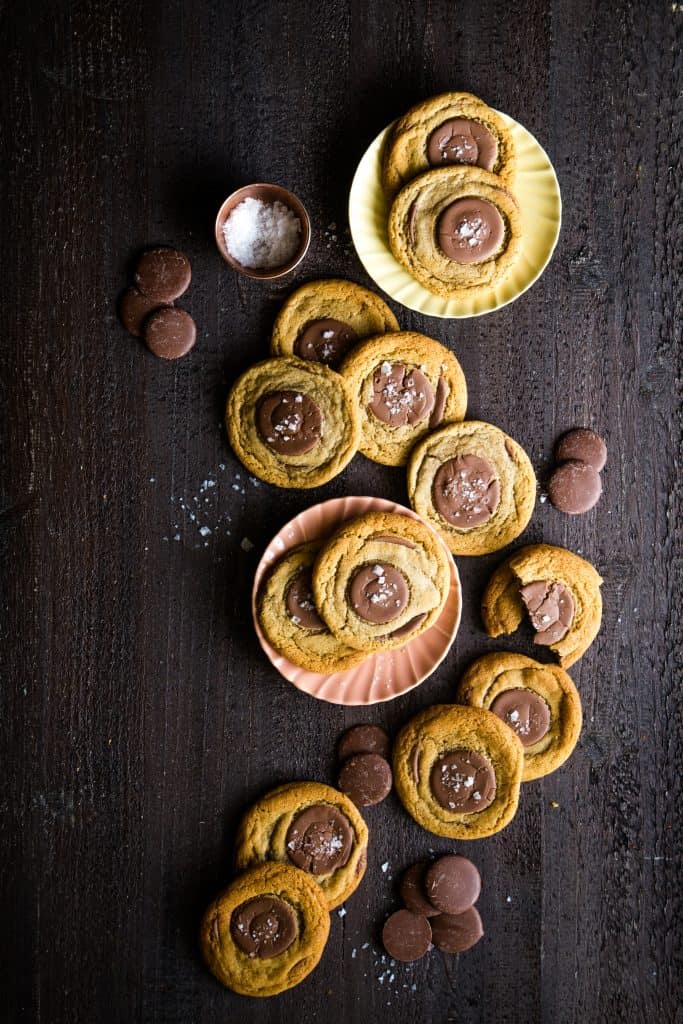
{"points": [[457, 771], [452, 128], [322, 320], [292, 423], [404, 385], [380, 580], [290, 620], [560, 592], [539, 702], [474, 484], [456, 230], [312, 826], [267, 931]]}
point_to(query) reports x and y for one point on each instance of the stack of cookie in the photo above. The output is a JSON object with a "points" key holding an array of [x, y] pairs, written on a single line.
{"points": [[448, 171], [379, 581], [301, 851]]}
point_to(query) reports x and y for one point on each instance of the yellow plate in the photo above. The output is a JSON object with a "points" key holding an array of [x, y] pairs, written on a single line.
{"points": [[536, 190]]}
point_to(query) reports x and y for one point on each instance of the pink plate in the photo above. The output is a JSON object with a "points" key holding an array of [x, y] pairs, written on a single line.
{"points": [[382, 676]]}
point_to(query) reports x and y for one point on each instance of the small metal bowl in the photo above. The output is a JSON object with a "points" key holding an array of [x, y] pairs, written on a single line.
{"points": [[267, 194]]}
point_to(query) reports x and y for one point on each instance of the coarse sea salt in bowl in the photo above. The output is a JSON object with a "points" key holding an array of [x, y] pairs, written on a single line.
{"points": [[263, 231]]}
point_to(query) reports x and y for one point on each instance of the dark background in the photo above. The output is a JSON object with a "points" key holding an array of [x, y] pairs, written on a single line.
{"points": [[139, 716]]}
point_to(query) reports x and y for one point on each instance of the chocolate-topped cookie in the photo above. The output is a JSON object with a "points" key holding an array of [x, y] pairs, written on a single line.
{"points": [[405, 385], [538, 702], [311, 826], [322, 321], [474, 484], [288, 616], [454, 128], [292, 423], [457, 771], [266, 931]]}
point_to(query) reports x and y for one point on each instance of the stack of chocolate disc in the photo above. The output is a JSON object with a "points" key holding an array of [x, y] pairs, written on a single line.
{"points": [[147, 309]]}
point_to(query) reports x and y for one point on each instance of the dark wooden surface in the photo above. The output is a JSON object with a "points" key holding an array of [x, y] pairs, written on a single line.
{"points": [[139, 716]]}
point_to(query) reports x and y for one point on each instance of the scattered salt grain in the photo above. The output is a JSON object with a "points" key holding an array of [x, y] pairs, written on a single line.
{"points": [[385, 866], [262, 235], [341, 912], [204, 531], [246, 544]]}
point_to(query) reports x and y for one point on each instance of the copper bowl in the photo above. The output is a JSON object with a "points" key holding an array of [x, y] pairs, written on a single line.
{"points": [[267, 194]]}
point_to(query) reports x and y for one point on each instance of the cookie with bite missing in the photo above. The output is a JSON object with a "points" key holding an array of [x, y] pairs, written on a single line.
{"points": [[381, 580], [404, 384], [474, 484], [290, 619], [538, 702], [560, 591], [266, 931], [457, 771], [454, 128], [323, 320], [311, 826]]}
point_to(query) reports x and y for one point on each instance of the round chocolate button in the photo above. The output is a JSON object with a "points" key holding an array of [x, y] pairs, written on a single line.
{"points": [[300, 604], [378, 593], [170, 332], [264, 926], [470, 230], [452, 884], [525, 712], [400, 395], [574, 487], [461, 141], [134, 308], [319, 839], [582, 445], [406, 936], [455, 933], [163, 274], [325, 341], [463, 781], [363, 739], [366, 779], [551, 609], [413, 890], [289, 422], [466, 491]]}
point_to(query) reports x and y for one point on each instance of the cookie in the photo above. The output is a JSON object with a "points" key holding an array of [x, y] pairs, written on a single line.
{"points": [[453, 128], [290, 621], [404, 384], [457, 771], [292, 423], [323, 320], [559, 590], [267, 931], [380, 580], [312, 826], [474, 484], [456, 230], [539, 702]]}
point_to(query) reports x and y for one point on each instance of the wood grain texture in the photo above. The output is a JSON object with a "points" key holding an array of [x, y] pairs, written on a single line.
{"points": [[138, 715]]}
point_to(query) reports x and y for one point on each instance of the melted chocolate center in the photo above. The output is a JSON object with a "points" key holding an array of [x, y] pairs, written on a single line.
{"points": [[378, 593], [463, 781], [319, 839], [461, 141], [289, 422], [264, 926], [325, 341], [470, 230], [466, 491], [400, 396]]}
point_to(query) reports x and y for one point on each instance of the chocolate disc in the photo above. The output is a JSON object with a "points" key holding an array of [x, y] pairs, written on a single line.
{"points": [[410, 626], [551, 610], [363, 739], [582, 445], [134, 308], [574, 487], [366, 779], [163, 274], [525, 712], [325, 341], [461, 141], [289, 422], [455, 933], [170, 332], [378, 593], [470, 230], [319, 839], [413, 890], [400, 395], [466, 491], [264, 926], [406, 936], [463, 781], [300, 604], [452, 884]]}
